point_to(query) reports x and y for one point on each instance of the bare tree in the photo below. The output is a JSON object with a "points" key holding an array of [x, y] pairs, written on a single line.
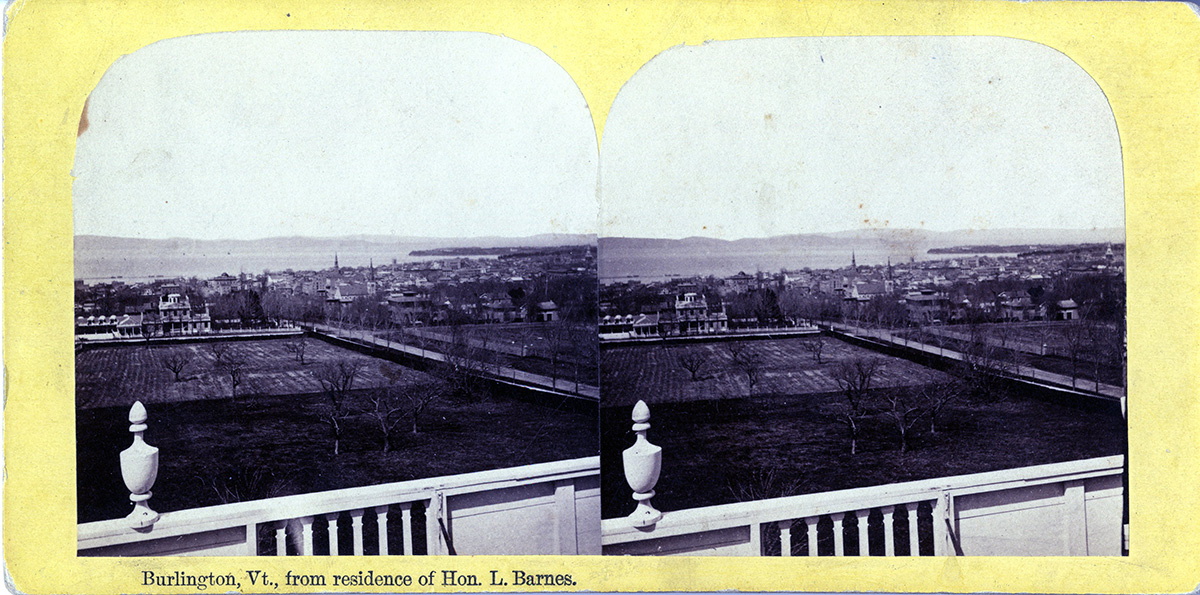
{"points": [[984, 365], [463, 363], [937, 396], [218, 350], [854, 378], [1073, 337], [1103, 342], [745, 360], [337, 380], [400, 400], [297, 347], [693, 362], [735, 349], [557, 339], [233, 365], [176, 361], [815, 346], [904, 408]]}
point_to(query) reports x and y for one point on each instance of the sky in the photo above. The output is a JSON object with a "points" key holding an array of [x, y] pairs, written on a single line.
{"points": [[763, 137], [251, 135]]}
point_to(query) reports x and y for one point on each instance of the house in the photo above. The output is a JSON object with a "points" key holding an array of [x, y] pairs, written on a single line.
{"points": [[1067, 310], [223, 284], [741, 282], [926, 306], [546, 312], [174, 316], [408, 307], [690, 314], [1018, 308], [502, 311]]}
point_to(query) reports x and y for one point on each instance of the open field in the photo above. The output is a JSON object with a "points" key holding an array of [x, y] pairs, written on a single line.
{"points": [[653, 372], [717, 452], [118, 375], [273, 441]]}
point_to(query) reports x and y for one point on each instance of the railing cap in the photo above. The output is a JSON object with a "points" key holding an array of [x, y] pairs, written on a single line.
{"points": [[641, 412], [137, 413]]}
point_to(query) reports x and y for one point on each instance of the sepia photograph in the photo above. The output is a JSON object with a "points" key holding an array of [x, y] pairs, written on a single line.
{"points": [[863, 296], [336, 294]]}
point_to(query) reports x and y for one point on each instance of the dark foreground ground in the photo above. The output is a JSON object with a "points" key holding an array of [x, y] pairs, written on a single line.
{"points": [[722, 451], [215, 451]]}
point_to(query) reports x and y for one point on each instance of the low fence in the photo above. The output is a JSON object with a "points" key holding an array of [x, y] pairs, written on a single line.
{"points": [[546, 508], [1072, 509]]}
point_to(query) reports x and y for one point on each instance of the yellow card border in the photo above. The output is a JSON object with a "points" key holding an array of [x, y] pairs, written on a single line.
{"points": [[1144, 56]]}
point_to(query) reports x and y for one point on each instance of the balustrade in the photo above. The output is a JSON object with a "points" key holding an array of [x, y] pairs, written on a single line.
{"points": [[403, 518], [1071, 508]]}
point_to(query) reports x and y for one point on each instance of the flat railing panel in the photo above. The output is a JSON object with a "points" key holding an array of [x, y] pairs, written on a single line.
{"points": [[1070, 508], [384, 519]]}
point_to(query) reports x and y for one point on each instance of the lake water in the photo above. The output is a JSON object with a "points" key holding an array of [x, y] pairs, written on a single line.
{"points": [[650, 265], [137, 266]]}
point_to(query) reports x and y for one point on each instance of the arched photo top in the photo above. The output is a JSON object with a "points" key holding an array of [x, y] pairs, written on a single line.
{"points": [[333, 133], [765, 137]]}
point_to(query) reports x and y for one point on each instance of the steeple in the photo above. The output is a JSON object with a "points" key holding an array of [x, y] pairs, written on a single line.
{"points": [[335, 262], [889, 268], [853, 262]]}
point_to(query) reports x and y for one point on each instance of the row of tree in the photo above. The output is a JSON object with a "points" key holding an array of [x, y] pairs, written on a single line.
{"points": [[385, 407], [859, 397]]}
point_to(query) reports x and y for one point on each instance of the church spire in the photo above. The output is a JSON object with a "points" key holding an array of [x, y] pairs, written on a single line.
{"points": [[853, 262], [335, 262]]}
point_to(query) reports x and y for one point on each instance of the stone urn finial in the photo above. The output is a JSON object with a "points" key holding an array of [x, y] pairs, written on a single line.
{"points": [[643, 462], [139, 469]]}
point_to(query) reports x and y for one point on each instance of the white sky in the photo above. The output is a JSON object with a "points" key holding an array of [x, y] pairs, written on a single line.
{"points": [[250, 135], [764, 137]]}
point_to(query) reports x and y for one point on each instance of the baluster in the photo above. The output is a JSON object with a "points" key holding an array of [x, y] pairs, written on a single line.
{"points": [[306, 524], [356, 522], [785, 538], [381, 513], [406, 524], [251, 539], [839, 545], [756, 538], [940, 535], [433, 533], [332, 518], [281, 539], [810, 525], [914, 540], [889, 528], [864, 540]]}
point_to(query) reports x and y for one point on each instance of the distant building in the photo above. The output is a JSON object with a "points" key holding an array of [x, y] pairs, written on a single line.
{"points": [[408, 307], [1067, 310], [689, 314], [223, 284], [741, 282], [546, 312], [174, 316], [927, 306]]}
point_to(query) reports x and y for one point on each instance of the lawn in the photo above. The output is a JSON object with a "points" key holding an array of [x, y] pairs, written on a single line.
{"points": [[272, 441], [118, 375], [653, 372]]}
